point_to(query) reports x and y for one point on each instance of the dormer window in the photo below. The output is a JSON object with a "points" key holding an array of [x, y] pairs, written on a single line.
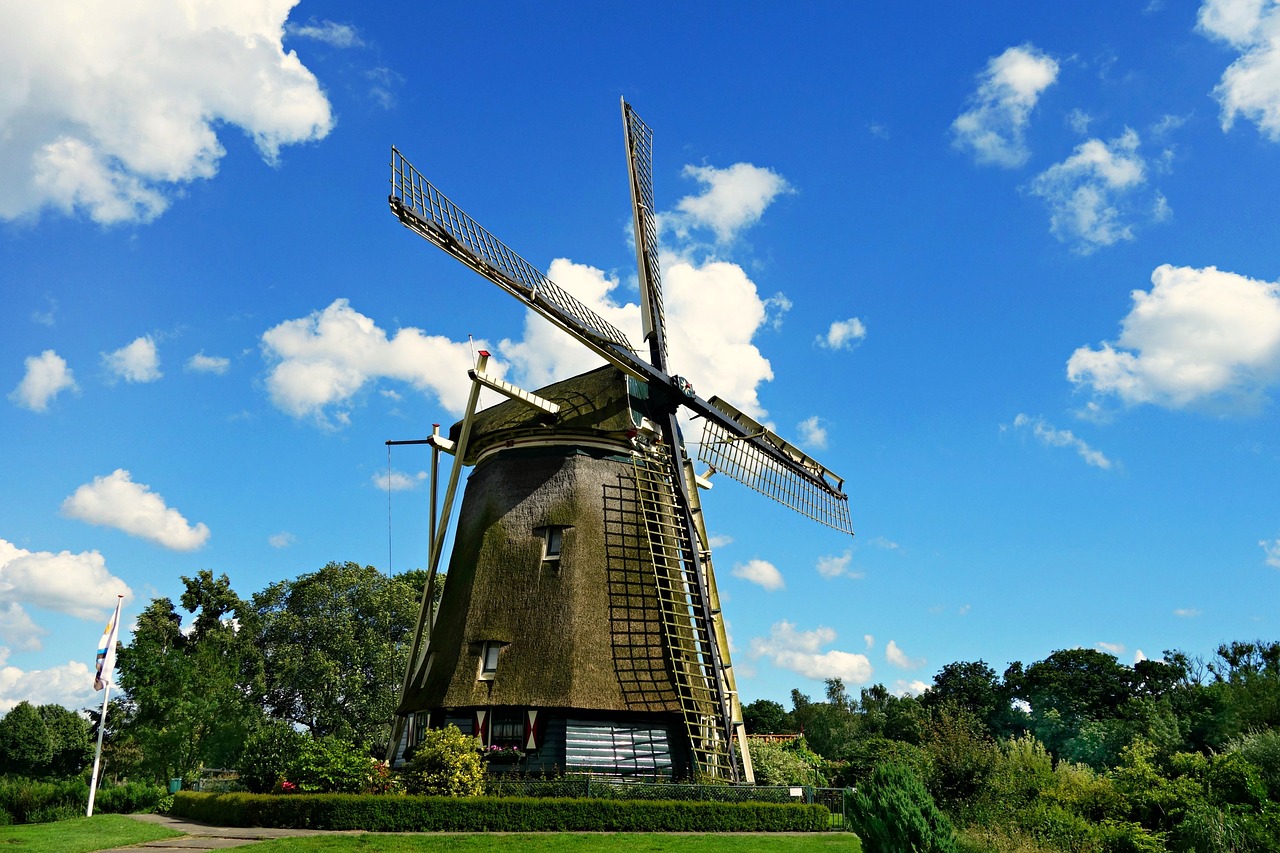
{"points": [[552, 541], [489, 660]]}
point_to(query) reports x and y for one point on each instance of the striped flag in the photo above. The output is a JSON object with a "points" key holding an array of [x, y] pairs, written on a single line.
{"points": [[107, 649]]}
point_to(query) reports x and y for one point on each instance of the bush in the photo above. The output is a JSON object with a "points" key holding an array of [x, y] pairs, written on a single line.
{"points": [[330, 765], [269, 753], [29, 801], [893, 812], [484, 814], [445, 763], [779, 764]]}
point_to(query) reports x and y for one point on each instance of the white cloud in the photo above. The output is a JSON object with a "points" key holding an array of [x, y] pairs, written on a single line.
{"points": [[1116, 649], [719, 540], [1089, 193], [319, 362], [69, 685], [137, 362], [912, 687], [1079, 120], [896, 656], [109, 113], [1139, 656], [993, 129], [1197, 334], [843, 334], [732, 199], [116, 501], [1272, 551], [1250, 86], [16, 626], [799, 652], [328, 32], [760, 572], [1190, 612], [813, 432], [283, 539], [398, 481], [47, 376], [201, 363], [1054, 437], [76, 584], [870, 640], [834, 566]]}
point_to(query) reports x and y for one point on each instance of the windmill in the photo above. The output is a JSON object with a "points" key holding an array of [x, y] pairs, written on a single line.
{"points": [[580, 623]]}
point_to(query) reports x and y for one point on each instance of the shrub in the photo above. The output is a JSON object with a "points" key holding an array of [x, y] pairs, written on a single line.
{"points": [[330, 765], [269, 753], [29, 801], [776, 764], [445, 763], [1262, 750], [484, 814], [893, 812]]}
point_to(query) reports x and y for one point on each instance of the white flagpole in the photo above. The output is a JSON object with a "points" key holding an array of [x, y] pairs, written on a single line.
{"points": [[97, 755], [106, 665]]}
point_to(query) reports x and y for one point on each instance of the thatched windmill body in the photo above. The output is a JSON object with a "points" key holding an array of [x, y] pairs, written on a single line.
{"points": [[580, 623]]}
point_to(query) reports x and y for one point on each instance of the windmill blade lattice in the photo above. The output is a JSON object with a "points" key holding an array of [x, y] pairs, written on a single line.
{"points": [[640, 168], [426, 210]]}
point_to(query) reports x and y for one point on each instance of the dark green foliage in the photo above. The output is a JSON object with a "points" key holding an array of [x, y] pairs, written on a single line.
{"points": [[483, 814], [335, 644], [29, 801], [865, 755], [764, 716], [269, 754], [331, 765], [894, 813], [24, 741]]}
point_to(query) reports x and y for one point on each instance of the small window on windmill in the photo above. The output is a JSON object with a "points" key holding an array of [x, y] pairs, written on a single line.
{"points": [[552, 542], [489, 660]]}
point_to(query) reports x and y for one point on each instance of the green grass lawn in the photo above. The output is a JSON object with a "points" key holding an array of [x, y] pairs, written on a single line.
{"points": [[554, 842], [80, 835]]}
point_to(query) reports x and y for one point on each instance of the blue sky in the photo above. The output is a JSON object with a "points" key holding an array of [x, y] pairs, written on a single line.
{"points": [[1010, 270]]}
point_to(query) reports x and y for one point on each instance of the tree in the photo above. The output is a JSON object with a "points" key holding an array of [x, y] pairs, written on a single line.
{"points": [[765, 716], [893, 813], [70, 750], [193, 697], [335, 648], [24, 742]]}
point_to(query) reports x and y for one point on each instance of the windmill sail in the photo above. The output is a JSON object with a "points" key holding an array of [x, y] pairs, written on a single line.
{"points": [[640, 169]]}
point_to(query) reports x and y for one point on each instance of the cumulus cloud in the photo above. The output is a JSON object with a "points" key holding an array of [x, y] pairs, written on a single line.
{"points": [[201, 363], [1091, 194], [843, 334], [732, 199], [760, 572], [1054, 437], [321, 361], [813, 432], [398, 481], [837, 565], [111, 113], [136, 362], [909, 687], [1191, 612], [1250, 87], [47, 376], [116, 501], [896, 656], [69, 685], [17, 628], [1272, 551], [76, 584], [1116, 649], [800, 652], [1197, 334], [993, 128]]}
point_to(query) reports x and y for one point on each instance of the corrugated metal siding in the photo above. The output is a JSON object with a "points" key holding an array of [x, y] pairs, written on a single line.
{"points": [[618, 749]]}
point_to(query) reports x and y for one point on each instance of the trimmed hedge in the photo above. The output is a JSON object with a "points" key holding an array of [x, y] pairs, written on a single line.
{"points": [[381, 813]]}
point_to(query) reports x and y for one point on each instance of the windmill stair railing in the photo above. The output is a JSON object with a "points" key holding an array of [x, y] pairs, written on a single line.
{"points": [[688, 636]]}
